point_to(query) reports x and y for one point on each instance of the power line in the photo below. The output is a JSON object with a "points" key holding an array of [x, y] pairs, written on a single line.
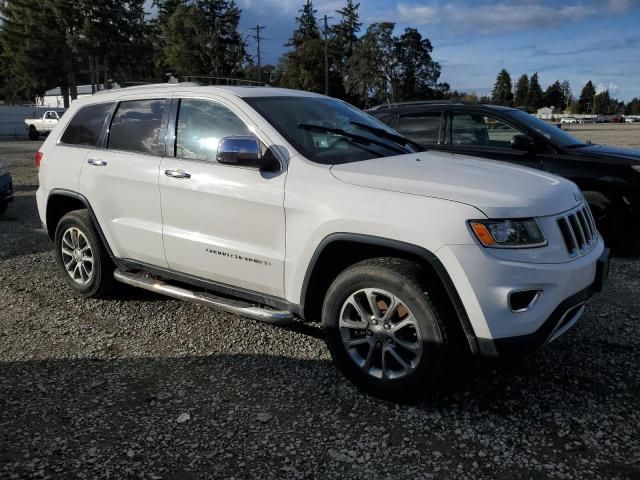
{"points": [[257, 37]]}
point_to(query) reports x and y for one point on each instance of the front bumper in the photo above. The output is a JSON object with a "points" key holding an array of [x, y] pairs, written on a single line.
{"points": [[484, 284], [561, 320]]}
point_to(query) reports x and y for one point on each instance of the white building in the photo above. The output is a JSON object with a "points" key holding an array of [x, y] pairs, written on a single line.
{"points": [[545, 113], [54, 99]]}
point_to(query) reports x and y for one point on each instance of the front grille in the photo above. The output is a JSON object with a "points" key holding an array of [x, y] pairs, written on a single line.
{"points": [[578, 231]]}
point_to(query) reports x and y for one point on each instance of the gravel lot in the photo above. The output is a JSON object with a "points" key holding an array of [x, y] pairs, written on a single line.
{"points": [[624, 135], [146, 387]]}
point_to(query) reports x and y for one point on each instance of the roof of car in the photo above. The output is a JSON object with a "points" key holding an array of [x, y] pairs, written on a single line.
{"points": [[428, 104], [239, 91]]}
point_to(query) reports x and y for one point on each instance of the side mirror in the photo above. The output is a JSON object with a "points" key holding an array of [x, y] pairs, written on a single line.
{"points": [[241, 151], [523, 143]]}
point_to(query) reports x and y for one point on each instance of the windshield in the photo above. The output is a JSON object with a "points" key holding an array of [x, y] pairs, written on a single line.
{"points": [[553, 133], [330, 131]]}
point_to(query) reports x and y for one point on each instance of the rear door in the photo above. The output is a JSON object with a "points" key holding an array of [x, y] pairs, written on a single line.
{"points": [[120, 179], [221, 223], [425, 128], [483, 134]]}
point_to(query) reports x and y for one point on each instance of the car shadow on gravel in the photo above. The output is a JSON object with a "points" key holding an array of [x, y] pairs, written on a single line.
{"points": [[182, 417]]}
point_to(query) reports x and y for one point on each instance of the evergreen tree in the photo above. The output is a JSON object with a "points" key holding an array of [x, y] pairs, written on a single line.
{"points": [[364, 79], [522, 91], [307, 26], [418, 73], [202, 38], [344, 34], [585, 102], [554, 97], [502, 93], [304, 65], [343, 37], [535, 99], [633, 107]]}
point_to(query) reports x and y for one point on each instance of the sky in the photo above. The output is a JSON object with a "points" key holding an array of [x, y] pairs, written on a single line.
{"points": [[576, 40]]}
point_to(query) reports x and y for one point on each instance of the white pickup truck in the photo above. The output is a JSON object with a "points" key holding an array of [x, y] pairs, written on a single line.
{"points": [[45, 124]]}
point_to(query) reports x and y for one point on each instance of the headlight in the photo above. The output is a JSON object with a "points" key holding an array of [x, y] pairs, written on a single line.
{"points": [[509, 233]]}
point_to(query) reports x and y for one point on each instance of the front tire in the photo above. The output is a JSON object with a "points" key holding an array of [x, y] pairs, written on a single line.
{"points": [[81, 257], [383, 329]]}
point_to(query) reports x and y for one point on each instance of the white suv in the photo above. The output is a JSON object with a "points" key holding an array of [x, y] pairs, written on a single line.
{"points": [[279, 204]]}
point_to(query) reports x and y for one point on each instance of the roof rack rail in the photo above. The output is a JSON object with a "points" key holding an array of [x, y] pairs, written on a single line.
{"points": [[417, 103]]}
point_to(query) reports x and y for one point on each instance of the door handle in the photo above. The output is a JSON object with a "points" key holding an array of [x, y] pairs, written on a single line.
{"points": [[96, 162], [177, 174]]}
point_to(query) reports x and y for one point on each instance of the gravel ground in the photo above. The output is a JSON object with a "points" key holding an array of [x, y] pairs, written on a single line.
{"points": [[622, 134], [145, 387]]}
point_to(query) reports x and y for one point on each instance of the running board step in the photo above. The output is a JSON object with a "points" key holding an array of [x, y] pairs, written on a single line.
{"points": [[238, 307]]}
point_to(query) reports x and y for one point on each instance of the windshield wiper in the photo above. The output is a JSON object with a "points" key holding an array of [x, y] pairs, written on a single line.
{"points": [[399, 139], [353, 136]]}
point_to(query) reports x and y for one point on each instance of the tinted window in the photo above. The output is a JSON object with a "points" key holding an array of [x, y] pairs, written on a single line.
{"points": [[423, 128], [136, 126], [86, 125], [481, 130], [201, 125]]}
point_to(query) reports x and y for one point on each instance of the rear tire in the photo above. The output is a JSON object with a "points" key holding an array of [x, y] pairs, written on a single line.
{"points": [[367, 339], [81, 257], [33, 133]]}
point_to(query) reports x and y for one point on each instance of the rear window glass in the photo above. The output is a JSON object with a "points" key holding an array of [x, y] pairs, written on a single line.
{"points": [[136, 126], [423, 128], [86, 125]]}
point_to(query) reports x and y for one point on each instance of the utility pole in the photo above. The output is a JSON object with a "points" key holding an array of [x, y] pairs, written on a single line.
{"points": [[326, 55], [257, 36]]}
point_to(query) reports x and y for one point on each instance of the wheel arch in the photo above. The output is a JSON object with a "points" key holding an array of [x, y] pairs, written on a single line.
{"points": [[339, 250], [60, 202]]}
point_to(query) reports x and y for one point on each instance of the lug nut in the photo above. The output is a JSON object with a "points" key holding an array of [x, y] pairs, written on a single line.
{"points": [[374, 321], [387, 326], [369, 333]]}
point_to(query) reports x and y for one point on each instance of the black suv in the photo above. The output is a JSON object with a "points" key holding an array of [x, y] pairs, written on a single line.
{"points": [[609, 176]]}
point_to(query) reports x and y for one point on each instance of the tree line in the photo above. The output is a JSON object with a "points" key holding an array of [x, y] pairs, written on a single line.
{"points": [[66, 43], [528, 94]]}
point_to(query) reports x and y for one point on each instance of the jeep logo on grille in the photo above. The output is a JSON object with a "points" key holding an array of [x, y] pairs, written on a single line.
{"points": [[577, 196]]}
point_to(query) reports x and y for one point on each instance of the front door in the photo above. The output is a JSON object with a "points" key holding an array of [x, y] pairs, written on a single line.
{"points": [[222, 223], [487, 136], [121, 181]]}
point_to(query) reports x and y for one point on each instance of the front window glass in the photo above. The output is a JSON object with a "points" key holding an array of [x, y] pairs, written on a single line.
{"points": [[330, 131], [481, 130], [548, 130], [136, 126], [201, 125]]}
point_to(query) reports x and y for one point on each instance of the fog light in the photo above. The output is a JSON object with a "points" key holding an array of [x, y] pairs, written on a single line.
{"points": [[523, 300]]}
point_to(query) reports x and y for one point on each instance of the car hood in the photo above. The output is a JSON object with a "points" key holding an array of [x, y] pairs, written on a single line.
{"points": [[610, 151], [499, 189]]}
